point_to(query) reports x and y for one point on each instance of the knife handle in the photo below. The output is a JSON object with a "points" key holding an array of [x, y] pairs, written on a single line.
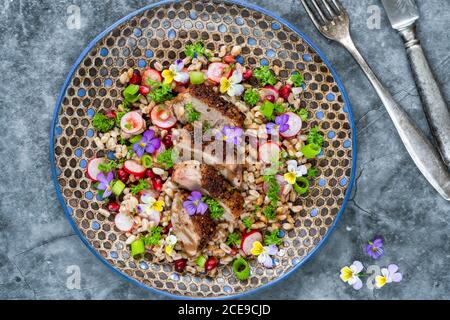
{"points": [[433, 101]]}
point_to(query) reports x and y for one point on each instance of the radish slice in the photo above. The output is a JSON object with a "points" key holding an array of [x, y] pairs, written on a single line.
{"points": [[281, 182], [135, 168], [92, 168], [132, 123], [249, 239], [216, 71], [269, 152], [295, 125], [152, 74], [269, 91], [124, 222], [163, 118]]}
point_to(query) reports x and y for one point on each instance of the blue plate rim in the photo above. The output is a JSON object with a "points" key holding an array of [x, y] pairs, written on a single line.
{"points": [[60, 197]]}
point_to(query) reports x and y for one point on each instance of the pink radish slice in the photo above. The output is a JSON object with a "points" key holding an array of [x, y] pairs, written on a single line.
{"points": [[152, 74], [133, 167], [215, 71], [269, 91], [281, 182], [249, 239], [269, 151], [163, 118], [295, 125], [124, 222], [92, 168], [132, 123]]}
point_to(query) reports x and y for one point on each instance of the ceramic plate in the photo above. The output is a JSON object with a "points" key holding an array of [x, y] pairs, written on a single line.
{"points": [[160, 32]]}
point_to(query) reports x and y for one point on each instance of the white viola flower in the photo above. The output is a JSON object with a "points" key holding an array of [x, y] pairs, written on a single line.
{"points": [[388, 275], [151, 208], [294, 171], [350, 275], [232, 85], [176, 72], [171, 241], [264, 253]]}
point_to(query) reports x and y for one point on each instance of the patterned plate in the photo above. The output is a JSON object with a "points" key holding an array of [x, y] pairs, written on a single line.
{"points": [[160, 32]]}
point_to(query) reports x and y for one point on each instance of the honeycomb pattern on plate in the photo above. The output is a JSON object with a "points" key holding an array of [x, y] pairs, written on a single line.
{"points": [[160, 34]]}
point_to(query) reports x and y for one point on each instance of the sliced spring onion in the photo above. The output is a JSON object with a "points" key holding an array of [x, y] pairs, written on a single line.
{"points": [[201, 261], [137, 248], [118, 187], [147, 161], [241, 269], [310, 151], [136, 139], [302, 186]]}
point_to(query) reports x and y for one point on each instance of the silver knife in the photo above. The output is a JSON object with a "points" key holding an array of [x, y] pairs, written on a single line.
{"points": [[403, 15]]}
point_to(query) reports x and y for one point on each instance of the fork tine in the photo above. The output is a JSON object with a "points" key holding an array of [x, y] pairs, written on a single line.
{"points": [[319, 11], [312, 15], [340, 9], [328, 9]]}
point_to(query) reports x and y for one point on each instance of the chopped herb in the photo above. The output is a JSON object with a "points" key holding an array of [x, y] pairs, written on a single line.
{"points": [[154, 237], [251, 97], [313, 172], [215, 209], [270, 212], [273, 189], [160, 91], [265, 76], [122, 141], [297, 79], [234, 239], [119, 117], [268, 109], [191, 114], [166, 159], [273, 238], [141, 186], [315, 137], [248, 222], [303, 113], [102, 123], [196, 50], [108, 167], [206, 126]]}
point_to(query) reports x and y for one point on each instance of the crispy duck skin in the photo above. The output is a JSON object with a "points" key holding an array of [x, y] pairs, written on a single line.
{"points": [[212, 107], [184, 140], [193, 232], [192, 175]]}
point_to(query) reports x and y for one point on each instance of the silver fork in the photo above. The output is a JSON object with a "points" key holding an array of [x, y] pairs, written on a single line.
{"points": [[332, 20]]}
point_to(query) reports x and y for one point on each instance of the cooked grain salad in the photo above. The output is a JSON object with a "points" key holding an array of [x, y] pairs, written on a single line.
{"points": [[178, 202]]}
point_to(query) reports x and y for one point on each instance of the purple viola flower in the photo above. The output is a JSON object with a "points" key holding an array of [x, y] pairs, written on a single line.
{"points": [[375, 248], [281, 125], [105, 183], [149, 143], [230, 135], [194, 205]]}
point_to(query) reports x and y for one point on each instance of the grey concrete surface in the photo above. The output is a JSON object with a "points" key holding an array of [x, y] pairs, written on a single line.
{"points": [[390, 197]]}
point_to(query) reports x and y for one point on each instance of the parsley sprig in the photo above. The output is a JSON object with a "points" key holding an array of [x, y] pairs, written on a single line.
{"points": [[160, 91], [251, 97], [297, 79], [196, 50], [234, 239], [315, 137], [166, 159], [141, 186], [265, 76], [191, 114], [273, 238], [154, 237], [215, 209], [102, 123]]}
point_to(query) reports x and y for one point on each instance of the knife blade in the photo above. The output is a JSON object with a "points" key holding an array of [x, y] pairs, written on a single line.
{"points": [[401, 13]]}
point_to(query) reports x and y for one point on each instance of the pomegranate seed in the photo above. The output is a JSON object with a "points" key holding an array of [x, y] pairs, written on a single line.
{"points": [[229, 59], [123, 175], [271, 99], [144, 90], [167, 141], [170, 171], [211, 264], [234, 251], [136, 78], [166, 230], [113, 207], [180, 265], [111, 114], [247, 74], [285, 92], [150, 174], [158, 184]]}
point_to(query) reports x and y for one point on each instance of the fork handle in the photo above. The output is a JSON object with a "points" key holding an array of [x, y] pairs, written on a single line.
{"points": [[433, 101], [422, 152]]}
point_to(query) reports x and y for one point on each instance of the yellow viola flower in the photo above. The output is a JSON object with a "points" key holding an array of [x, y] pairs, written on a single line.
{"points": [[175, 72], [290, 178], [232, 85], [350, 275], [171, 241], [257, 248], [264, 253], [294, 171], [158, 206], [168, 76], [380, 281]]}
